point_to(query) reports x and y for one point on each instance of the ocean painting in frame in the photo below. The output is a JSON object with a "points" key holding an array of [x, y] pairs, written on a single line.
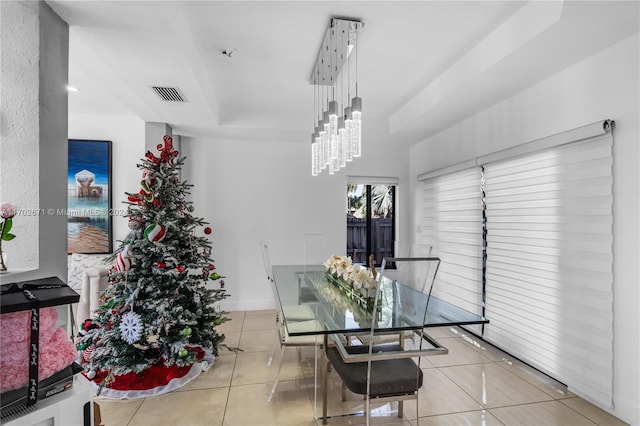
{"points": [[89, 222]]}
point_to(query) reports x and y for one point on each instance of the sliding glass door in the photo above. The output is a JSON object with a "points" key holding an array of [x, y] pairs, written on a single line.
{"points": [[370, 222]]}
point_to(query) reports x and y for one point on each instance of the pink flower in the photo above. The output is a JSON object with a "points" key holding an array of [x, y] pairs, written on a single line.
{"points": [[7, 210], [56, 349]]}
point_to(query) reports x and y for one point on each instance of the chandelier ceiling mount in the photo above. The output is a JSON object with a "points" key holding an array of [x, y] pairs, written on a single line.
{"points": [[336, 138]]}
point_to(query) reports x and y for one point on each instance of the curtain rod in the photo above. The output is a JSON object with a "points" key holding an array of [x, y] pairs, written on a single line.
{"points": [[598, 128]]}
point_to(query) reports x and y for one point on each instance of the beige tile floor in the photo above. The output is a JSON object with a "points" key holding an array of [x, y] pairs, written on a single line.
{"points": [[475, 384]]}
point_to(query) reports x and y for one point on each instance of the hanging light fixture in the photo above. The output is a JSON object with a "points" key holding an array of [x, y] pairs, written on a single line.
{"points": [[337, 136], [315, 139], [347, 118], [356, 112]]}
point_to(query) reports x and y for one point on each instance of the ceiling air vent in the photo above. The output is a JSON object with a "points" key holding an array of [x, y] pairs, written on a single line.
{"points": [[169, 94]]}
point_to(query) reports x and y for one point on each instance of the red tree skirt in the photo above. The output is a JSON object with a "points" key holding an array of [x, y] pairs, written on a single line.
{"points": [[155, 380]]}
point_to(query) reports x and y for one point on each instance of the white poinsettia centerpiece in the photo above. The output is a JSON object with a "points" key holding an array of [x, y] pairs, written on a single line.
{"points": [[360, 278]]}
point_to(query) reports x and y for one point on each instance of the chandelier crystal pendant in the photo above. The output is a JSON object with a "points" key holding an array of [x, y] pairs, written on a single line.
{"points": [[348, 124], [333, 128], [315, 144], [325, 134], [356, 127], [314, 155], [343, 147], [337, 136]]}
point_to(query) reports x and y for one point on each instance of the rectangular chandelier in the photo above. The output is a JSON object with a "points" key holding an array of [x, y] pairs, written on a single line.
{"points": [[337, 135]]}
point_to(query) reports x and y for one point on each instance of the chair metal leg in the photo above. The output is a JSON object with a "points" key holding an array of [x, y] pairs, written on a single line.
{"points": [[367, 408], [325, 378], [401, 408]]}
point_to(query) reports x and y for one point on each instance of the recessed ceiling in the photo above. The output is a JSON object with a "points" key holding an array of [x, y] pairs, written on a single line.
{"points": [[422, 65]]}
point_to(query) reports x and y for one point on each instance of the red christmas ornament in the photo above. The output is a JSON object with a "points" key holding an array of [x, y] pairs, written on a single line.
{"points": [[123, 263], [162, 265], [212, 266], [86, 354], [180, 268], [88, 325], [207, 230], [155, 232]]}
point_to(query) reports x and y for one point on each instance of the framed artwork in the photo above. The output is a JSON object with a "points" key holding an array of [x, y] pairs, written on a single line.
{"points": [[89, 219]]}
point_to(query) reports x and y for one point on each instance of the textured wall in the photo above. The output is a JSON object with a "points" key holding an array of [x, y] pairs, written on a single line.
{"points": [[20, 109], [33, 149]]}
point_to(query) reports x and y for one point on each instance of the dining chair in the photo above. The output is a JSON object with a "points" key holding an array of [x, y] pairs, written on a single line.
{"points": [[411, 273], [388, 372], [299, 318], [290, 312]]}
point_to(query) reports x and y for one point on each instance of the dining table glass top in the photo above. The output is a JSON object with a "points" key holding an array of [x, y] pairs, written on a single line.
{"points": [[400, 307]]}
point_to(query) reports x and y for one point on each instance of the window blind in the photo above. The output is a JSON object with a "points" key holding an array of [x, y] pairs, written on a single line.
{"points": [[549, 275], [452, 225]]}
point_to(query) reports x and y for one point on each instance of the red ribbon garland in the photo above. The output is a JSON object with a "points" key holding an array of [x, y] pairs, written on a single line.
{"points": [[152, 157], [167, 153]]}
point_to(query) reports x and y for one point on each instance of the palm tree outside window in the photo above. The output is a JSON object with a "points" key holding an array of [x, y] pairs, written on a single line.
{"points": [[370, 222]]}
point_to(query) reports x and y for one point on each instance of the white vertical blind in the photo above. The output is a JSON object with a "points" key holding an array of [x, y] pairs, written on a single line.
{"points": [[452, 224], [549, 276]]}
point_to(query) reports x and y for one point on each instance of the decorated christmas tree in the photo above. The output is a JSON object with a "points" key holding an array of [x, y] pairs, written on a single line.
{"points": [[158, 316]]}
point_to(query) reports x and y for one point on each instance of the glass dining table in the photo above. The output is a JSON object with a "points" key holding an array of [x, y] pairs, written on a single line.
{"points": [[401, 308]]}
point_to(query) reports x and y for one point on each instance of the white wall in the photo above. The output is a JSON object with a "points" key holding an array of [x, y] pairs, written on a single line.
{"points": [[605, 86], [128, 146], [251, 191]]}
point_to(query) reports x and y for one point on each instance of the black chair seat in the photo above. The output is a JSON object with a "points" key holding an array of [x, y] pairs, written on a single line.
{"points": [[390, 377]]}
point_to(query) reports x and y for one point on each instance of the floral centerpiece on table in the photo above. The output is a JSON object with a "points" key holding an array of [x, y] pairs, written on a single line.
{"points": [[358, 282]]}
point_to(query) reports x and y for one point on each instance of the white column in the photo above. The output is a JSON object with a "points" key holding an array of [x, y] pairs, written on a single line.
{"points": [[154, 133]]}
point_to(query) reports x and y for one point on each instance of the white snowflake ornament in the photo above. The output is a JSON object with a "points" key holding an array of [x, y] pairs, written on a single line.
{"points": [[131, 327]]}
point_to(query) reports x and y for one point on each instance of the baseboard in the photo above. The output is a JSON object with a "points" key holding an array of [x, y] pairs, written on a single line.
{"points": [[625, 409]]}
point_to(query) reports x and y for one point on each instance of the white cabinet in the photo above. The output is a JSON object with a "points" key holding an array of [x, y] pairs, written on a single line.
{"points": [[73, 407]]}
